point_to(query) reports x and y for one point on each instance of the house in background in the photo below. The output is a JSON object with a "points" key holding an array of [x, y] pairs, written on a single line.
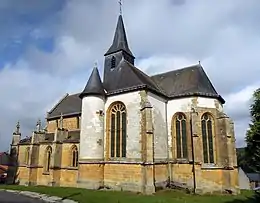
{"points": [[5, 162], [248, 181], [244, 182], [254, 179]]}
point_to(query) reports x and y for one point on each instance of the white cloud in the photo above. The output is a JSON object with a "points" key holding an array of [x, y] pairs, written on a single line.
{"points": [[237, 106], [157, 64], [163, 35]]}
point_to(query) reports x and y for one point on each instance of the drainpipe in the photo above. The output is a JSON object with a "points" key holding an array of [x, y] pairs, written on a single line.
{"points": [[168, 152], [192, 151]]}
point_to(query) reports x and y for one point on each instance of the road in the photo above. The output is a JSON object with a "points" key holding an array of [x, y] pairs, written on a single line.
{"points": [[8, 197]]}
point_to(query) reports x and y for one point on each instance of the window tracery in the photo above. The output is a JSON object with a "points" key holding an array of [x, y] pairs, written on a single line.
{"points": [[207, 138], [117, 117]]}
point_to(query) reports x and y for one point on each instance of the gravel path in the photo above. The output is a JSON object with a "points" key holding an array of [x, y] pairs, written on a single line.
{"points": [[14, 196], [10, 197]]}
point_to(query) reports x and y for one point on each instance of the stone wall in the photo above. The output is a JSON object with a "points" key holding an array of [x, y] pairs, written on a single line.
{"points": [[70, 123], [159, 113], [151, 150], [61, 172], [132, 103]]}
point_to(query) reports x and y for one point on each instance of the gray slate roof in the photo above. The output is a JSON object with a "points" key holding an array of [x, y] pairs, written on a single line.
{"points": [[177, 83], [94, 85], [255, 177], [186, 81], [120, 40], [127, 77], [69, 105]]}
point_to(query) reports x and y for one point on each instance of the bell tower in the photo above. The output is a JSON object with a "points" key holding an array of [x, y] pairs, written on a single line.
{"points": [[118, 50]]}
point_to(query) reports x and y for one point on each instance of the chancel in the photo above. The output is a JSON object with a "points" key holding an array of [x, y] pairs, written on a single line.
{"points": [[134, 132]]}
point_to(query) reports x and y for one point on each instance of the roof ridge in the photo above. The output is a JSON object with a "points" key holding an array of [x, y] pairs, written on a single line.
{"points": [[144, 78], [179, 69], [201, 70], [74, 94], [143, 73], [53, 108]]}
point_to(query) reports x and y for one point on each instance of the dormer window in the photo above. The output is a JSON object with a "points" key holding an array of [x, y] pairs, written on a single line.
{"points": [[113, 62]]}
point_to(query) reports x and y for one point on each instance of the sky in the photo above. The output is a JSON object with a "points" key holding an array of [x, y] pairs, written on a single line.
{"points": [[48, 48]]}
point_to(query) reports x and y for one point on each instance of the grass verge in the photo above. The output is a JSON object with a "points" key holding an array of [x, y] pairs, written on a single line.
{"points": [[92, 196]]}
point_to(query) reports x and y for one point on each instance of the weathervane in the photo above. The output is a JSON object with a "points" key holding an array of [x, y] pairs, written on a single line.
{"points": [[120, 6]]}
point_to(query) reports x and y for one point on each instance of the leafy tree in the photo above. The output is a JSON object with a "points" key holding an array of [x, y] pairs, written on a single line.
{"points": [[241, 160], [252, 151]]}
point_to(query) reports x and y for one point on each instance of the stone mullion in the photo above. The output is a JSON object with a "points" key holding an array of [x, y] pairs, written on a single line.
{"points": [[195, 126], [180, 137], [215, 142], [174, 137], [207, 138]]}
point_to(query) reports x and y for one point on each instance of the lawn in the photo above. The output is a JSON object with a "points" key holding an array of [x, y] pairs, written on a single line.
{"points": [[91, 196]]}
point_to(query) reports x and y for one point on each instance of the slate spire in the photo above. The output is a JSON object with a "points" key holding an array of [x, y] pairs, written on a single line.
{"points": [[94, 85], [120, 40]]}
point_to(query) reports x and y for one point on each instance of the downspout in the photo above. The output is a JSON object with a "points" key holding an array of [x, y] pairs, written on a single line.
{"points": [[192, 152], [168, 152]]}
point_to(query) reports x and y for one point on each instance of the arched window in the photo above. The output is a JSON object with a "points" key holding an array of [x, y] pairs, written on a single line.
{"points": [[207, 138], [117, 131], [48, 158], [113, 62], [27, 156], [74, 156], [181, 136]]}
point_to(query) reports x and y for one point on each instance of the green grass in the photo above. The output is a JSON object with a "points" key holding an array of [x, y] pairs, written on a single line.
{"points": [[91, 196]]}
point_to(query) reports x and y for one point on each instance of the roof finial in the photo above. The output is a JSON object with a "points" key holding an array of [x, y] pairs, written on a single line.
{"points": [[17, 130], [120, 7], [199, 62], [38, 125], [61, 121], [96, 64]]}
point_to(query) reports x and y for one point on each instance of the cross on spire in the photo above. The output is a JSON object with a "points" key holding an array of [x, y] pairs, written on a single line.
{"points": [[120, 7]]}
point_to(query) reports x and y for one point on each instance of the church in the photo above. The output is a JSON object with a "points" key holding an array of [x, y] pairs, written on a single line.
{"points": [[133, 132]]}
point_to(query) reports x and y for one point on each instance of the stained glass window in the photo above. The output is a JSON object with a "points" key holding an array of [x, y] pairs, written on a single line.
{"points": [[207, 138], [118, 130], [181, 136]]}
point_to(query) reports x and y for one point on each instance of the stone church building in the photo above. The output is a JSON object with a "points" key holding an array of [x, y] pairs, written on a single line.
{"points": [[133, 132]]}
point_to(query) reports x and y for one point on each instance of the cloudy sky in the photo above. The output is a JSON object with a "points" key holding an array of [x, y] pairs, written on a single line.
{"points": [[48, 48]]}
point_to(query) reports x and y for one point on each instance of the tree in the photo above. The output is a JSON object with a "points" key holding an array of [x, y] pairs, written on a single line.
{"points": [[252, 151], [241, 160]]}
